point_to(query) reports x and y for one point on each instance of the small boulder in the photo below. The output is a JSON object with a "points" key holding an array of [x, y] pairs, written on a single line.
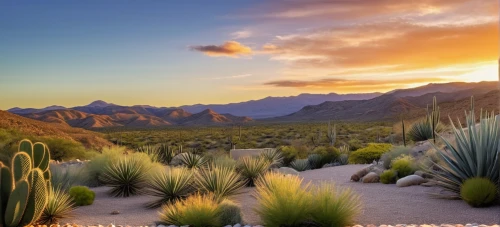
{"points": [[287, 170], [361, 173], [371, 177], [176, 160], [410, 180], [378, 170]]}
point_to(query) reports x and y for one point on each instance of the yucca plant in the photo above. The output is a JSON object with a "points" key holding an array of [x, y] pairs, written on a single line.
{"points": [[343, 159], [59, 206], [153, 152], [332, 207], [300, 165], [192, 161], [126, 177], [222, 182], [273, 156], [169, 186], [252, 168], [315, 161], [166, 153], [196, 211], [420, 131], [476, 153]]}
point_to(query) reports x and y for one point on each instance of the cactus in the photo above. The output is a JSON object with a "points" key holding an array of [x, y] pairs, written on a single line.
{"points": [[23, 186], [433, 117], [404, 131], [331, 134]]}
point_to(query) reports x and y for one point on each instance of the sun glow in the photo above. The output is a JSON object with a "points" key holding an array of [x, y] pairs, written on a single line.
{"points": [[484, 73]]}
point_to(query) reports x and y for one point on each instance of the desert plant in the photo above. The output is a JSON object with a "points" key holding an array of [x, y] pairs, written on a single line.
{"points": [[334, 207], [66, 177], [273, 156], [282, 200], [389, 177], [478, 192], [59, 206], [395, 152], [328, 155], [343, 159], [403, 165], [153, 152], [252, 168], [230, 213], [224, 161], [24, 186], [197, 211], [167, 153], [300, 165], [368, 154], [96, 166], [169, 186], [81, 195], [192, 161], [331, 134], [420, 131], [222, 182], [126, 177], [315, 161]]}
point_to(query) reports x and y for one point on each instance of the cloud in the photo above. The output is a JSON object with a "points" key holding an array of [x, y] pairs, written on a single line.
{"points": [[241, 34], [229, 77], [228, 49]]}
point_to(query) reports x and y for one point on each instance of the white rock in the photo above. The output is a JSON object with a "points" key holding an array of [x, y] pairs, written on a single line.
{"points": [[161, 226], [237, 225], [410, 180]]}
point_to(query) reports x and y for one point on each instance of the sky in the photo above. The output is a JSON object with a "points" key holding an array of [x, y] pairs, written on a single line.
{"points": [[180, 52]]}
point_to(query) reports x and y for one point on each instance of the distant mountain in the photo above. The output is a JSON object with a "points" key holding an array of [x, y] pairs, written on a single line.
{"points": [[17, 110], [211, 117]]}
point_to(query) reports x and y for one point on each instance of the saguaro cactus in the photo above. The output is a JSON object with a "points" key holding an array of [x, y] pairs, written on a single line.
{"points": [[433, 118], [23, 186], [331, 134]]}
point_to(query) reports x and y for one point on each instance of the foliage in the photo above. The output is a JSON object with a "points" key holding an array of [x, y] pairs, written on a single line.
{"points": [[315, 161], [403, 165], [334, 207], [230, 213], [389, 177], [153, 152], [328, 154], [126, 177], [95, 167], [167, 153], [290, 153], [273, 156], [222, 182], [370, 153], [420, 131], [63, 149], [170, 185], [197, 211], [252, 168], [282, 200], [59, 206], [224, 161], [395, 152], [478, 192], [81, 195], [192, 161], [300, 165], [343, 159], [66, 177]]}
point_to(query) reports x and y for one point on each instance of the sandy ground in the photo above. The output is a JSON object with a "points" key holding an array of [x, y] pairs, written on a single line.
{"points": [[383, 204]]}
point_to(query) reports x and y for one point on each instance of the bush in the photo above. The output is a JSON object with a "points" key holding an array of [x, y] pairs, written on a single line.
{"points": [[273, 156], [96, 166], [403, 165], [63, 149], [126, 177], [169, 186], [422, 130], [328, 154], [343, 159], [394, 153], [192, 161], [334, 207], [478, 192], [196, 211], [81, 195], [300, 165], [388, 177], [290, 153], [59, 206], [370, 153], [282, 201], [230, 213], [222, 182], [315, 161], [252, 168], [224, 161], [66, 177]]}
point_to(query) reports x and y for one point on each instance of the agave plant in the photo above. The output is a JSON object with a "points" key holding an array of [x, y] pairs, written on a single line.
{"points": [[420, 131], [153, 152], [126, 177], [192, 161], [59, 206], [476, 154], [170, 185], [274, 156], [252, 168], [222, 182], [166, 153], [315, 161], [300, 165]]}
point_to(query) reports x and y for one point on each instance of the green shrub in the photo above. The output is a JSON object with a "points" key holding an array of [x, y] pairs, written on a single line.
{"points": [[230, 213], [96, 166], [300, 165], [395, 152], [222, 182], [328, 154], [196, 211], [370, 153], [192, 161], [343, 159], [290, 153], [169, 186], [81, 195], [478, 192], [125, 177], [66, 177], [315, 161], [59, 206], [403, 165], [63, 149], [388, 177], [334, 207], [422, 130], [252, 168], [282, 200], [273, 156], [224, 161]]}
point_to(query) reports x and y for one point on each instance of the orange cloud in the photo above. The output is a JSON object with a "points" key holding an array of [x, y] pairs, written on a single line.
{"points": [[228, 49]]}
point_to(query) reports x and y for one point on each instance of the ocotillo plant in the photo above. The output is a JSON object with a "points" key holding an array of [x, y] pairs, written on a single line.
{"points": [[24, 186], [331, 134]]}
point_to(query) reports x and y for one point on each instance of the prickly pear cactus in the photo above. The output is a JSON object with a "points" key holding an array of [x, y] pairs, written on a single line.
{"points": [[24, 186]]}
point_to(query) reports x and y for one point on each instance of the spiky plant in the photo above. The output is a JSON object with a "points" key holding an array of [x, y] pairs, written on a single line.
{"points": [[197, 211], [169, 186], [343, 159], [273, 156], [315, 161], [153, 152], [166, 153], [66, 177], [59, 206], [230, 213], [192, 161], [126, 177], [252, 168], [333, 207], [222, 182], [420, 131], [300, 165]]}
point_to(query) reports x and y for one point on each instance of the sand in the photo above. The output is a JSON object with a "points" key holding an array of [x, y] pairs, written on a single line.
{"points": [[383, 204]]}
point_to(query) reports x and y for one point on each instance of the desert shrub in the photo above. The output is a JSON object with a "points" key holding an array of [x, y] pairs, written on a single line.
{"points": [[388, 177], [95, 167], [422, 130], [355, 144], [252, 168], [230, 213], [282, 200], [332, 206], [126, 177], [273, 156], [63, 149], [315, 161], [290, 153], [343, 159], [81, 195], [328, 154], [153, 152], [197, 211], [300, 165], [59, 206], [222, 182], [478, 192], [66, 177], [395, 152], [370, 153], [403, 165], [192, 161], [169, 185], [224, 161]]}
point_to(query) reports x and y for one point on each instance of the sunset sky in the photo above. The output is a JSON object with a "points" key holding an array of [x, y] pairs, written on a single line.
{"points": [[171, 53]]}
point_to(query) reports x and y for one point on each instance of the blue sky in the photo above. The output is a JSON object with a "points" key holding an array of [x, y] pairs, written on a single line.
{"points": [[169, 53]]}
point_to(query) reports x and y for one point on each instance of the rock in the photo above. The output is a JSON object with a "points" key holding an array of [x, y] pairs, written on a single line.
{"points": [[371, 178], [160, 226], [378, 170], [237, 225], [361, 173], [287, 170], [247, 226], [176, 160], [172, 226], [115, 212], [421, 148], [228, 226], [111, 225], [410, 180]]}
